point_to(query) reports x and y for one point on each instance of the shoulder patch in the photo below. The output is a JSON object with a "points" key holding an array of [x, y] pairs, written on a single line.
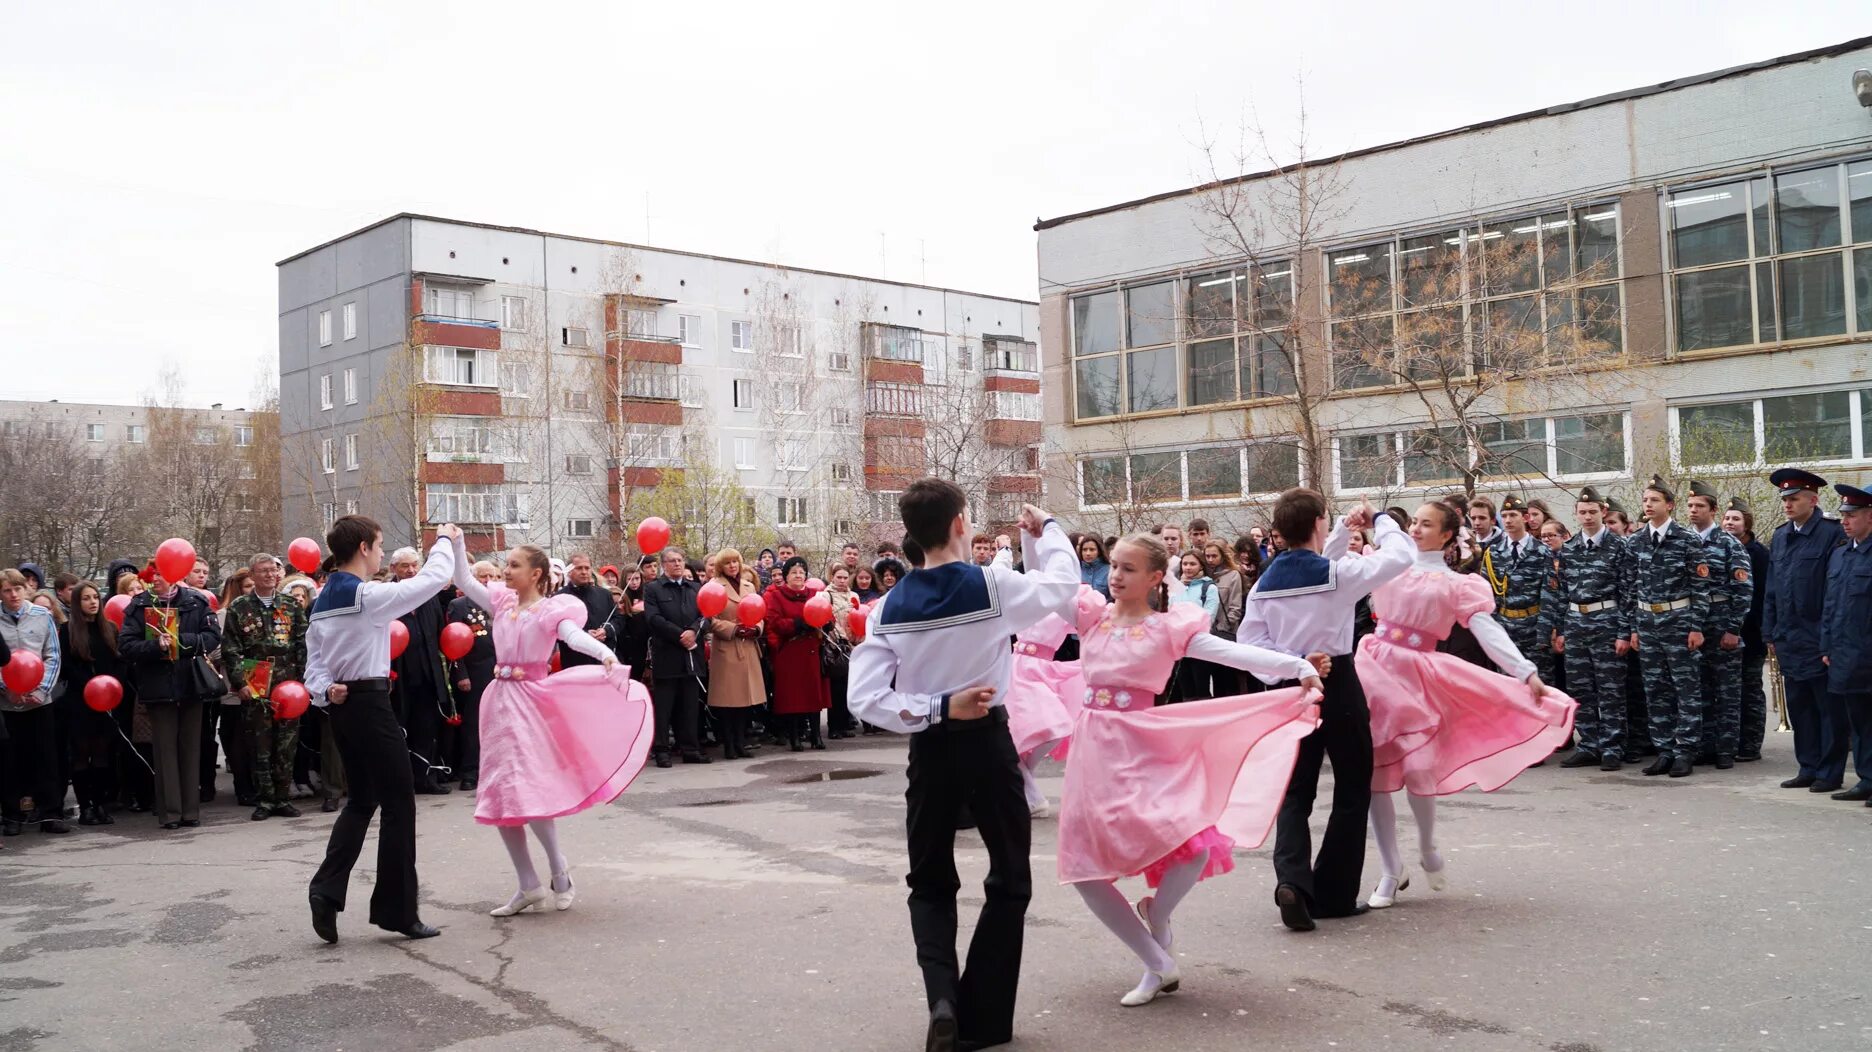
{"points": [[1741, 573], [1702, 569]]}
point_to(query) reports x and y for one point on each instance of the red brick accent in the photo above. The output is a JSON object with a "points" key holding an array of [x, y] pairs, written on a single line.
{"points": [[477, 543], [1020, 384], [475, 474], [415, 296], [451, 402], [893, 427], [642, 478], [1001, 484], [650, 351], [480, 337], [893, 372], [1011, 432], [636, 412]]}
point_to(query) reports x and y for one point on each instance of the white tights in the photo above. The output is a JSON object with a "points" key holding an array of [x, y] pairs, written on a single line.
{"points": [[514, 837], [1029, 784], [1110, 906], [1384, 831]]}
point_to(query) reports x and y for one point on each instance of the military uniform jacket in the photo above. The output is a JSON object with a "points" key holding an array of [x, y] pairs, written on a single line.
{"points": [[1846, 619], [1580, 576], [1664, 572], [1518, 575], [253, 632], [1797, 565], [1732, 587], [476, 666]]}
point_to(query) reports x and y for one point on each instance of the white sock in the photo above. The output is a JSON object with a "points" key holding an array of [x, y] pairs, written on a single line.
{"points": [[1176, 883], [513, 838], [1384, 833], [1031, 785], [1110, 906], [1423, 808], [548, 833]]}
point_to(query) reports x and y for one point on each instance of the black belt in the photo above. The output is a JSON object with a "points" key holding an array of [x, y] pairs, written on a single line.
{"points": [[375, 685], [996, 715]]}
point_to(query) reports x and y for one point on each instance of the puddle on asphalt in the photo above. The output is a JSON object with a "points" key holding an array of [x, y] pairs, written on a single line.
{"points": [[840, 774]]}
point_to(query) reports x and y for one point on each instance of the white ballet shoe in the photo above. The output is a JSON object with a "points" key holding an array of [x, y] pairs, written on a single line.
{"points": [[1439, 875], [1153, 986], [1143, 911], [1043, 809], [1380, 899], [521, 902], [562, 900]]}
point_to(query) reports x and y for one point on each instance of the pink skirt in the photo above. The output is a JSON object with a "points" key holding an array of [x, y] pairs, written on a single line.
{"points": [[1153, 788], [1441, 725], [557, 746], [1043, 698]]}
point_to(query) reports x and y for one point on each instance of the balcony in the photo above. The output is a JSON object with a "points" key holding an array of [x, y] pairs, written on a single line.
{"points": [[1009, 355], [894, 400], [652, 382], [893, 343]]}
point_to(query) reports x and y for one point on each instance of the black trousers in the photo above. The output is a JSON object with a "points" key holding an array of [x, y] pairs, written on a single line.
{"points": [[377, 766], [1330, 881], [840, 721], [465, 756], [422, 718], [30, 767], [951, 765], [678, 705]]}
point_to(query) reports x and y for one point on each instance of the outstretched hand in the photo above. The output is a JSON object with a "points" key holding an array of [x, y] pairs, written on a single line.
{"points": [[1032, 519], [448, 531]]}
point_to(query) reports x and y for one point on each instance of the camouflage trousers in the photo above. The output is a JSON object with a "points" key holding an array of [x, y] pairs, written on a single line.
{"points": [[1673, 684], [1535, 642], [273, 744], [1595, 675], [1754, 705], [1722, 698]]}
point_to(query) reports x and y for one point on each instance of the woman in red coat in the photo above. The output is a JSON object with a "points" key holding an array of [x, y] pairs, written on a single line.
{"points": [[800, 691]]}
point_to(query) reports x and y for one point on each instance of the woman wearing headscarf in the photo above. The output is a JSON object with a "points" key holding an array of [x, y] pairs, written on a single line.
{"points": [[800, 690]]}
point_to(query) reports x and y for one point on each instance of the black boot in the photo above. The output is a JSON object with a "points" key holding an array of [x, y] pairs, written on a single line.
{"points": [[812, 731], [793, 737], [1661, 765], [1680, 767]]}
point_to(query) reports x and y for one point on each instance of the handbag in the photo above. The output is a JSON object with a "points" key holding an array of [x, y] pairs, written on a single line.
{"points": [[834, 656], [205, 680]]}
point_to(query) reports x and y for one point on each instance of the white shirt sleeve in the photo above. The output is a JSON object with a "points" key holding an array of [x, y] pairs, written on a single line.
{"points": [[317, 679], [385, 602], [578, 639], [1362, 573], [1269, 666], [1499, 648], [1050, 585], [1339, 541], [871, 698], [465, 579]]}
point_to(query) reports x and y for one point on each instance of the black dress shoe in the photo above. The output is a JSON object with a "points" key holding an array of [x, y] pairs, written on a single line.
{"points": [[12, 827], [170, 825], [330, 805], [1798, 782], [1610, 763], [1823, 787], [419, 930], [663, 760], [104, 817], [324, 918], [1579, 759], [1862, 791], [286, 810], [1681, 767], [1293, 908], [261, 813], [1723, 763], [191, 823], [54, 825], [88, 816], [1661, 765], [208, 795], [695, 757], [1747, 757], [942, 1029], [467, 785]]}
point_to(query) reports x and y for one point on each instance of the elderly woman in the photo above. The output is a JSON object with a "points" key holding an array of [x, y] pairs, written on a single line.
{"points": [[735, 682], [888, 572], [167, 631], [800, 690]]}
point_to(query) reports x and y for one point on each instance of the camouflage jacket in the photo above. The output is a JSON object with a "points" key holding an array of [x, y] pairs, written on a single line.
{"points": [[1664, 572], [253, 633], [1731, 588], [1582, 576], [1517, 577]]}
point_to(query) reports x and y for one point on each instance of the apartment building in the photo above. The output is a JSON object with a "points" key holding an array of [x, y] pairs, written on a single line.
{"points": [[549, 389], [102, 434], [1676, 278]]}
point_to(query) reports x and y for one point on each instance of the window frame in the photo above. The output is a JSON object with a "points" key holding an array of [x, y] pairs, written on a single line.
{"points": [[1858, 408], [350, 385], [1244, 472], [1400, 481], [325, 327], [350, 320], [351, 451], [94, 432], [325, 391], [513, 313], [741, 335], [735, 390], [485, 362], [328, 456]]}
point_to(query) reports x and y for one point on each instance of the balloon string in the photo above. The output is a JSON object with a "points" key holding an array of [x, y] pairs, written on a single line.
{"points": [[133, 748]]}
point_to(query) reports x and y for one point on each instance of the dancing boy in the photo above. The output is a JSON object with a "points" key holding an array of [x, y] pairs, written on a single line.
{"points": [[935, 667]]}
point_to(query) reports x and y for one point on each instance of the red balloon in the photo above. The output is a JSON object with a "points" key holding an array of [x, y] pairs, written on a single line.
{"points": [[857, 620], [175, 557], [290, 699], [114, 610], [752, 611], [814, 584], [819, 610], [23, 673], [103, 693], [214, 601], [554, 663], [304, 554], [457, 640], [712, 599], [399, 638], [652, 534]]}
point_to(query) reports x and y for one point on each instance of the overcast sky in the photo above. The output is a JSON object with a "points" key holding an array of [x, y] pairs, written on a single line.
{"points": [[156, 161]]}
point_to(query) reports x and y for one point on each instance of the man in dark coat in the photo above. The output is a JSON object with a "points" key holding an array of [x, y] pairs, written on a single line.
{"points": [[1791, 623], [471, 675], [583, 585], [1846, 631], [420, 690], [676, 659]]}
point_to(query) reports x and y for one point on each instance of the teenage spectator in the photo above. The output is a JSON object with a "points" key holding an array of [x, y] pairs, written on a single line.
{"points": [[223, 718], [1250, 554], [29, 769], [764, 566], [800, 691], [1231, 593], [1198, 535], [632, 628], [1554, 534], [63, 585], [91, 651], [1094, 567], [982, 549], [864, 585], [1195, 676], [168, 634], [35, 577]]}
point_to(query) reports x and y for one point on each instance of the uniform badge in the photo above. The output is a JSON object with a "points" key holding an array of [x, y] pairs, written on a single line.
{"points": [[1702, 569], [1741, 574]]}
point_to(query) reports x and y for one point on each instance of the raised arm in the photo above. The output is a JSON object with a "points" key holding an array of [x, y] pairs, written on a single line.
{"points": [[465, 578], [1050, 585], [1363, 573], [1269, 666], [384, 603]]}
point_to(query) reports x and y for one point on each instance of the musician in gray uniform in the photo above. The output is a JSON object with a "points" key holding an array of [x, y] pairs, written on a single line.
{"points": [[1667, 594], [1591, 630], [1731, 590]]}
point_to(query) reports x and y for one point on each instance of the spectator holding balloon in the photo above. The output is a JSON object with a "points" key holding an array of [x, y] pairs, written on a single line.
{"points": [[263, 644], [800, 689], [168, 632], [735, 681], [94, 672], [31, 671]]}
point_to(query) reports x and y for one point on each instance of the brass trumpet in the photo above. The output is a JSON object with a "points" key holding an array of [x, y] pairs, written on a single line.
{"points": [[1778, 690]]}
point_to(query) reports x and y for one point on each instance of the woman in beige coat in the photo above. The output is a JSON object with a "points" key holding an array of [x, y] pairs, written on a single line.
{"points": [[735, 684]]}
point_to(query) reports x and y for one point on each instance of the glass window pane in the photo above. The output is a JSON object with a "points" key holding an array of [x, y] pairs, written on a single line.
{"points": [[1273, 295], [1713, 309], [1764, 303], [1601, 329], [1511, 256], [1432, 344], [1430, 269], [1096, 384], [1271, 367], [1275, 466], [1813, 296], [1590, 444], [1511, 334], [1596, 241], [1709, 225], [1807, 427], [1807, 209], [1556, 237], [1104, 479], [1152, 379], [1365, 462], [1212, 372], [1214, 473], [1156, 477], [1859, 191], [1862, 288], [1095, 323], [1361, 353], [1513, 447], [1151, 314], [1762, 199], [1435, 455], [1360, 280], [1209, 303], [1709, 435]]}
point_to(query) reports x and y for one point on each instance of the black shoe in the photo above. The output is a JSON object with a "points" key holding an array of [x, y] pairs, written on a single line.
{"points": [[54, 825], [1747, 757], [419, 930], [261, 814], [1293, 908], [1579, 759], [104, 816], [208, 795], [1681, 767], [136, 807], [286, 810], [662, 760], [1798, 782], [432, 788], [170, 825], [246, 800], [695, 756], [1823, 787], [467, 785], [191, 823], [324, 918], [1358, 909], [88, 815], [1862, 791], [330, 805], [1610, 763], [942, 1029], [1661, 765], [1724, 763]]}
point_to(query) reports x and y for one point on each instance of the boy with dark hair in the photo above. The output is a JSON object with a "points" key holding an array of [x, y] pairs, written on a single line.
{"points": [[935, 666]]}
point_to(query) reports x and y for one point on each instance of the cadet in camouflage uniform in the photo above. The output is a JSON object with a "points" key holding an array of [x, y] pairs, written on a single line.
{"points": [[1731, 591], [1667, 594], [1591, 630], [267, 625], [1516, 565], [1637, 714]]}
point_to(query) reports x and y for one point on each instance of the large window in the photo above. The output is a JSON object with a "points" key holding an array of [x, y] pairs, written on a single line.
{"points": [[1212, 473], [1773, 258], [443, 301], [479, 504], [461, 366], [653, 381], [462, 438], [1589, 446], [1810, 427]]}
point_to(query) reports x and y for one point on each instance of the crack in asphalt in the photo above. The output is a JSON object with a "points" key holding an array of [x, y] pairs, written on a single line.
{"points": [[529, 1005]]}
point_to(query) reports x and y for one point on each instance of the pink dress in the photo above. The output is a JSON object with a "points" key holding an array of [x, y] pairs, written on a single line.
{"points": [[553, 745], [1439, 723], [1151, 787], [1044, 695]]}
